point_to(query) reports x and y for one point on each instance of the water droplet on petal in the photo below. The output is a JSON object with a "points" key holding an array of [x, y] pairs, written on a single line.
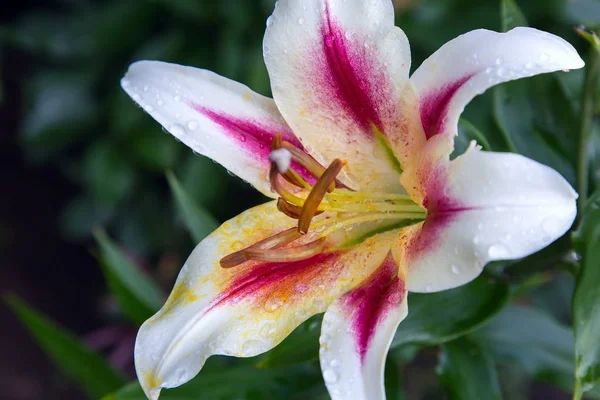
{"points": [[335, 363], [544, 57], [551, 226], [301, 20], [148, 108], [192, 125], [177, 98], [455, 270], [330, 376], [324, 338], [176, 130], [498, 252], [252, 347]]}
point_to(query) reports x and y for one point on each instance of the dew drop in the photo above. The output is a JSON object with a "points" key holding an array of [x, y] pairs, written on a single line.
{"points": [[125, 83], [252, 347], [429, 288], [272, 305], [455, 270], [529, 65], [498, 252], [192, 125], [176, 130], [324, 338], [177, 98], [551, 226], [301, 287], [146, 88], [160, 103], [136, 97], [301, 20], [181, 375], [499, 61], [544, 57], [148, 108], [334, 363], [330, 376]]}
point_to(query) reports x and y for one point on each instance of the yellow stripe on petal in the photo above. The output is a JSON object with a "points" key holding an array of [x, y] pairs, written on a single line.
{"points": [[245, 310]]}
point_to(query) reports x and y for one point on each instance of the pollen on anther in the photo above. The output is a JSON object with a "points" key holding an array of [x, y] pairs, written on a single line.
{"points": [[282, 158]]}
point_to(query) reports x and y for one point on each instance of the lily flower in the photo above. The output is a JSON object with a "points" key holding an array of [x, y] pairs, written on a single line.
{"points": [[368, 205]]}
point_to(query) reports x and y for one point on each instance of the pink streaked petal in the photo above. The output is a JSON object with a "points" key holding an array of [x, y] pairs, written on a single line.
{"points": [[339, 74], [356, 334], [488, 207], [470, 64], [254, 137], [215, 117], [246, 310]]}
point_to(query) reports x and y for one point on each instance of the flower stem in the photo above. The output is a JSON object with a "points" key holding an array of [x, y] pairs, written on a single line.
{"points": [[587, 120]]}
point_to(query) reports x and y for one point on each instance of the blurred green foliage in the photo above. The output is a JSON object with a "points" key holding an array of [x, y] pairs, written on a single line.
{"points": [[77, 119]]}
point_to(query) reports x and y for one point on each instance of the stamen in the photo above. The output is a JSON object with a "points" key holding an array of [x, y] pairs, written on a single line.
{"points": [[291, 210], [284, 169], [277, 240], [311, 204], [272, 242], [282, 159], [280, 190], [289, 253], [233, 259], [303, 159], [412, 218]]}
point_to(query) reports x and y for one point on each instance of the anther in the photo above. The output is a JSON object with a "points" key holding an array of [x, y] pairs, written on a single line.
{"points": [[306, 161], [272, 242], [311, 204], [288, 254], [291, 210]]}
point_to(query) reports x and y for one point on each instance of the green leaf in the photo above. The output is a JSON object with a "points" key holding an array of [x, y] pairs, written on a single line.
{"points": [[62, 109], [198, 221], [468, 372], [435, 318], [538, 122], [138, 296], [107, 173], [89, 369], [511, 15], [225, 382], [533, 340], [586, 301]]}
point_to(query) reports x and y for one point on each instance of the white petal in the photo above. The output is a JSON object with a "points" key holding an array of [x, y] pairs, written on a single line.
{"points": [[357, 332], [339, 75], [493, 206], [214, 116], [246, 310], [470, 64]]}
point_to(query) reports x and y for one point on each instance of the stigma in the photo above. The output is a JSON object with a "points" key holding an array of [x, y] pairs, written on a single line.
{"points": [[345, 208]]}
